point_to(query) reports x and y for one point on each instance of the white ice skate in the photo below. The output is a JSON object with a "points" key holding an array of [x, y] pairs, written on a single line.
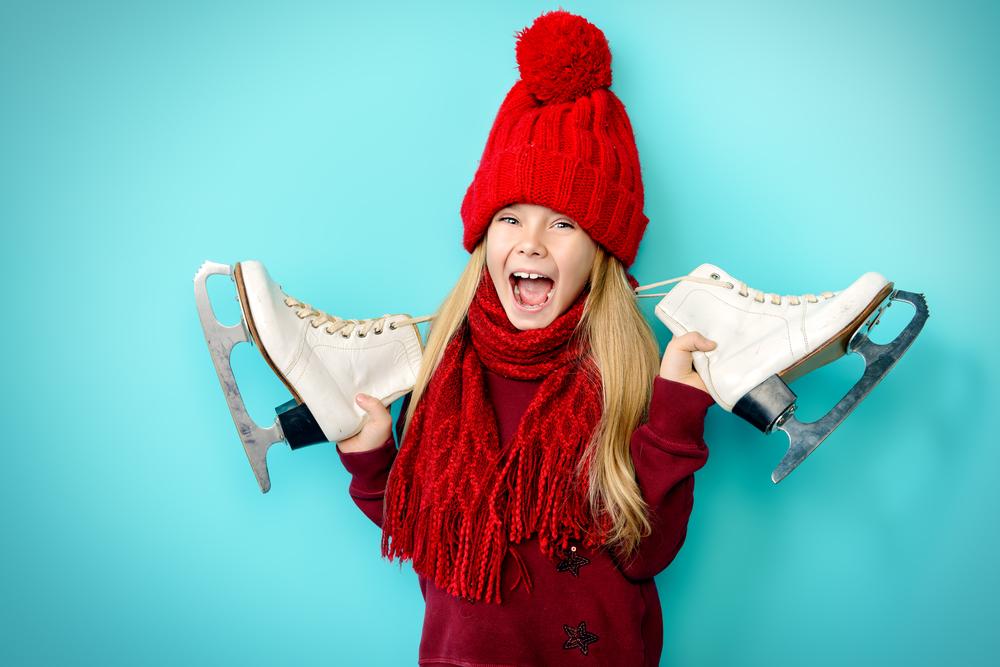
{"points": [[324, 361], [766, 340]]}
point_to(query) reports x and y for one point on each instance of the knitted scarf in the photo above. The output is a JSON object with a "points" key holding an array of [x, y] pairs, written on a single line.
{"points": [[454, 500]]}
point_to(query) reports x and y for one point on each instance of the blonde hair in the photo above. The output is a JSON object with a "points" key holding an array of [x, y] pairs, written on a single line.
{"points": [[624, 351]]}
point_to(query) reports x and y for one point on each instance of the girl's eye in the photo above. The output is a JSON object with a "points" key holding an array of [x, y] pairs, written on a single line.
{"points": [[561, 222]]}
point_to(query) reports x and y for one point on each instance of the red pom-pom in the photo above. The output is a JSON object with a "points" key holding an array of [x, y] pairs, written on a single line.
{"points": [[563, 56]]}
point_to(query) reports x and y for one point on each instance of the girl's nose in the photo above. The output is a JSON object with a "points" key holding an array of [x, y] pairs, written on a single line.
{"points": [[532, 249], [530, 244]]}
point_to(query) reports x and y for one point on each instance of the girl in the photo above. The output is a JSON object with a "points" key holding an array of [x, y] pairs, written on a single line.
{"points": [[546, 469]]}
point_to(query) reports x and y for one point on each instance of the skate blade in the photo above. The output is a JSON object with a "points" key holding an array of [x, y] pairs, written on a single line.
{"points": [[221, 340], [805, 437], [836, 347]]}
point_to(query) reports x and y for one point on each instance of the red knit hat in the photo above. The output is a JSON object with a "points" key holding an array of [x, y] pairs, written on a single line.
{"points": [[562, 139]]}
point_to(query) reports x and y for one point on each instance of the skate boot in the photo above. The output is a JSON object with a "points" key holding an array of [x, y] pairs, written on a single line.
{"points": [[323, 360], [765, 341]]}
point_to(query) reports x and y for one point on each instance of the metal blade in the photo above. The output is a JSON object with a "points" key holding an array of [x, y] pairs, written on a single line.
{"points": [[805, 437], [221, 340]]}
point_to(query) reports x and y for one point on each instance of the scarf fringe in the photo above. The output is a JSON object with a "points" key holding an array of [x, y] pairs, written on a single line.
{"points": [[456, 500]]}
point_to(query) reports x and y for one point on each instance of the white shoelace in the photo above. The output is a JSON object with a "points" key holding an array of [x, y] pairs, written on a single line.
{"points": [[377, 324], [347, 326], [745, 290]]}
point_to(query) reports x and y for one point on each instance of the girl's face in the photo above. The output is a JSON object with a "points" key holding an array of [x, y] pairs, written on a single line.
{"points": [[527, 238]]}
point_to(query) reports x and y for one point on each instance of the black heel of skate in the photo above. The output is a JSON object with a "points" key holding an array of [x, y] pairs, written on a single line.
{"points": [[764, 405], [298, 425]]}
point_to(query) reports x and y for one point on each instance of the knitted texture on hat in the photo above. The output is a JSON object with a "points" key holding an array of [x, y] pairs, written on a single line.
{"points": [[562, 139]]}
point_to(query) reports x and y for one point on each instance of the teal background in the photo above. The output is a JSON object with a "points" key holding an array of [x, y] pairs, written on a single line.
{"points": [[796, 145]]}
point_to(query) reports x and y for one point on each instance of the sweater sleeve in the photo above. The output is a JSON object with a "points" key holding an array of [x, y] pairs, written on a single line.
{"points": [[666, 452], [370, 471]]}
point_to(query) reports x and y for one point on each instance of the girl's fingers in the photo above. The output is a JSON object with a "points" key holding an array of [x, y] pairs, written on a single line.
{"points": [[370, 404], [376, 428], [692, 341], [705, 344], [677, 360]]}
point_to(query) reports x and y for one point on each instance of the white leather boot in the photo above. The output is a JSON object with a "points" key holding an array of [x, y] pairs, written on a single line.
{"points": [[762, 334], [765, 340], [324, 360]]}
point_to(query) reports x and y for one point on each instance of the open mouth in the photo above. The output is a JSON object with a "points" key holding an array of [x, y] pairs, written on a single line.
{"points": [[532, 291]]}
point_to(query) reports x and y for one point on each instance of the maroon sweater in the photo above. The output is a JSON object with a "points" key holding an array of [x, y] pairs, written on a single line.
{"points": [[591, 609]]}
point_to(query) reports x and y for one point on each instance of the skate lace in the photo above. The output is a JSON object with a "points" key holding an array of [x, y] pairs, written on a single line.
{"points": [[377, 324], [745, 290], [347, 326]]}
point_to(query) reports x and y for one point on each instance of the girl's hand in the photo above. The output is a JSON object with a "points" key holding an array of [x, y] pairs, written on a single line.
{"points": [[677, 364], [376, 430]]}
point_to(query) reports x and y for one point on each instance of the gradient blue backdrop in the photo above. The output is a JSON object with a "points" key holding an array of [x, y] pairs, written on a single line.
{"points": [[796, 145]]}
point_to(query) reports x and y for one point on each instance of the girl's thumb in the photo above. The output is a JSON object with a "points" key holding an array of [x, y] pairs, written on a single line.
{"points": [[368, 403]]}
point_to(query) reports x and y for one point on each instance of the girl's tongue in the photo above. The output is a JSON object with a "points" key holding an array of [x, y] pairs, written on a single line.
{"points": [[533, 291]]}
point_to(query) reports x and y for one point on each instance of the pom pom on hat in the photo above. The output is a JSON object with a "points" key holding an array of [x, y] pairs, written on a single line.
{"points": [[562, 57]]}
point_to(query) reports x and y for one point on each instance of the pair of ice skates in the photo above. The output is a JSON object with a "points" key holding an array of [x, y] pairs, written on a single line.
{"points": [[763, 341]]}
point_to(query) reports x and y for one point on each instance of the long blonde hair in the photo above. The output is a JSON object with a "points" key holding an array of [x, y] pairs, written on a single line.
{"points": [[622, 347]]}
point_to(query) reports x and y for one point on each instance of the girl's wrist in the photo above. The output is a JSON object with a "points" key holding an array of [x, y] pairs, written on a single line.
{"points": [[355, 448], [691, 380]]}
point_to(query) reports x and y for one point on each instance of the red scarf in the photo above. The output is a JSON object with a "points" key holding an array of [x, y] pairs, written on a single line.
{"points": [[455, 500]]}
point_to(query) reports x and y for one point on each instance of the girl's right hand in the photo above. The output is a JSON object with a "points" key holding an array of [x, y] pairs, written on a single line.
{"points": [[376, 430], [678, 365]]}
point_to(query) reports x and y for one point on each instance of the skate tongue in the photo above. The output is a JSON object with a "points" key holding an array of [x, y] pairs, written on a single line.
{"points": [[533, 291]]}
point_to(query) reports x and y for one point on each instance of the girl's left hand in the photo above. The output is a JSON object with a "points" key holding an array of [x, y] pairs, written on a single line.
{"points": [[677, 364]]}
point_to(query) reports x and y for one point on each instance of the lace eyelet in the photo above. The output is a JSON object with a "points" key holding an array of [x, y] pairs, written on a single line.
{"points": [[392, 325], [715, 276], [361, 335], [314, 325], [378, 331]]}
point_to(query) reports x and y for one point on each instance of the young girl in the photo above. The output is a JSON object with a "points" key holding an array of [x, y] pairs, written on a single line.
{"points": [[545, 472]]}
